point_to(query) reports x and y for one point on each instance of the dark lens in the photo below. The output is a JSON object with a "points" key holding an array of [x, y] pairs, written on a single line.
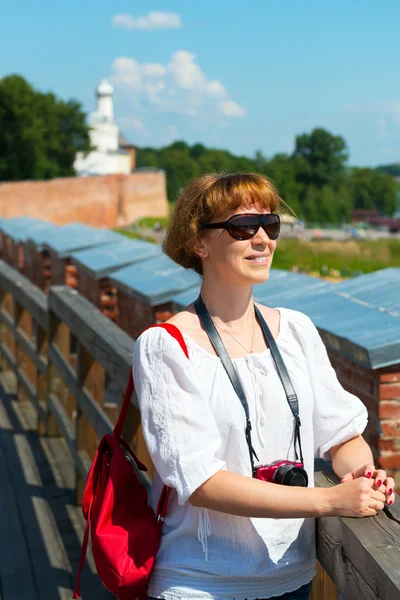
{"points": [[271, 225], [244, 227]]}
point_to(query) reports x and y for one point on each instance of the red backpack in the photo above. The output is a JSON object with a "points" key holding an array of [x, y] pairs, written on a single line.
{"points": [[125, 533]]}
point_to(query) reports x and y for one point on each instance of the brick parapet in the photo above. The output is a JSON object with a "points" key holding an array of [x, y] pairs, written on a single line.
{"points": [[100, 201], [379, 390]]}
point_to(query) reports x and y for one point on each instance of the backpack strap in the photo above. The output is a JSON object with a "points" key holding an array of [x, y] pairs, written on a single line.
{"points": [[119, 425], [165, 492]]}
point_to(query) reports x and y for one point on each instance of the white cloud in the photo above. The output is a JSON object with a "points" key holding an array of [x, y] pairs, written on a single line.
{"points": [[153, 20], [131, 123], [179, 86], [229, 108], [215, 89]]}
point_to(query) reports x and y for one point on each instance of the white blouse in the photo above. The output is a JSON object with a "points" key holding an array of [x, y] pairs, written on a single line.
{"points": [[194, 425]]}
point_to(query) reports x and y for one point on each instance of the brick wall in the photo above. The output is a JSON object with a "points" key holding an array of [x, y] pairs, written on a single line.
{"points": [[97, 201], [380, 392], [135, 315]]}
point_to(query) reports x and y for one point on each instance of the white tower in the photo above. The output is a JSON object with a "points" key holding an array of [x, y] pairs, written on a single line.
{"points": [[107, 157], [105, 94]]}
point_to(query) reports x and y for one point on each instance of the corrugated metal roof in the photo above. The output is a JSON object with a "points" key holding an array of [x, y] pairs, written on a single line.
{"points": [[284, 285], [280, 287], [77, 236], [363, 333], [19, 227], [380, 289], [154, 281], [100, 261], [40, 234], [360, 318]]}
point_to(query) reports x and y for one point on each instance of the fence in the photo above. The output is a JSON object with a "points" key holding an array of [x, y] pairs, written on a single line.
{"points": [[72, 364]]}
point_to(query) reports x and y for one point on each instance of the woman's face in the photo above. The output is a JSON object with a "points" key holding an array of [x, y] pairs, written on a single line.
{"points": [[238, 261]]}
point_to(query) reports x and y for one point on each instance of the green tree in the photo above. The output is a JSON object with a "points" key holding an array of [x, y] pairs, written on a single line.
{"points": [[281, 168], [371, 189], [39, 134], [311, 204], [320, 158], [393, 169]]}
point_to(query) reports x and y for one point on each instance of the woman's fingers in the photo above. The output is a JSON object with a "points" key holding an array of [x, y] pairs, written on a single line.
{"points": [[379, 477], [377, 501], [389, 491], [367, 471]]}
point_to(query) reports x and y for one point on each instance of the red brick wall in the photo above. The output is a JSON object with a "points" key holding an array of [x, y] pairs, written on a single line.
{"points": [[142, 195], [380, 392], [134, 315], [98, 201]]}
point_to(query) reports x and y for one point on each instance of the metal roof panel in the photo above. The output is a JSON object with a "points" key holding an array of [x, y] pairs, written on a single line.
{"points": [[77, 236], [155, 280], [101, 261]]}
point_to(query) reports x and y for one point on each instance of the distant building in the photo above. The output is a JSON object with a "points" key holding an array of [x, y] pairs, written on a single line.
{"points": [[363, 215], [113, 152]]}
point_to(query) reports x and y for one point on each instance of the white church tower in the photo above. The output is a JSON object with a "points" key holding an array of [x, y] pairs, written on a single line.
{"points": [[107, 157]]}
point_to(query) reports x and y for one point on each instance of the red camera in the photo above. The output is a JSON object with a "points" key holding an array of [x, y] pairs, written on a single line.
{"points": [[285, 472]]}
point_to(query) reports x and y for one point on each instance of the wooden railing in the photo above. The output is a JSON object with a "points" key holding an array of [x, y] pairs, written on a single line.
{"points": [[72, 364]]}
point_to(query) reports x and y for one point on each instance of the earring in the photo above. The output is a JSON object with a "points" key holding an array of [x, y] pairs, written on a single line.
{"points": [[204, 255]]}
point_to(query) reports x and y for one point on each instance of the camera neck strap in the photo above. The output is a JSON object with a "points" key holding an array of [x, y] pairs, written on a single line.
{"points": [[226, 361]]}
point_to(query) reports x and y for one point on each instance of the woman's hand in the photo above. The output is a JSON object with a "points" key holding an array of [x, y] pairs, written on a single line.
{"points": [[357, 497], [380, 480]]}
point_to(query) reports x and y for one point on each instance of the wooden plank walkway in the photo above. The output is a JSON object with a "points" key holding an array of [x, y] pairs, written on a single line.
{"points": [[40, 528]]}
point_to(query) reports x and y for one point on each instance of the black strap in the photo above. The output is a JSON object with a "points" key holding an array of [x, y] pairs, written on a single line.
{"points": [[291, 395], [219, 347]]}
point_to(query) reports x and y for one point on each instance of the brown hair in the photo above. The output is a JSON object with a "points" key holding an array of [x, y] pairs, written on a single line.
{"points": [[210, 197]]}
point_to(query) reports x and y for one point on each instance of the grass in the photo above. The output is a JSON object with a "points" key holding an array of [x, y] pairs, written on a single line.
{"points": [[134, 235], [349, 257]]}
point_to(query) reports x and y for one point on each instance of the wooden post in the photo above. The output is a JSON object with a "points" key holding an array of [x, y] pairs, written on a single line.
{"points": [[323, 587], [41, 378], [90, 377], [59, 336], [23, 324], [7, 305]]}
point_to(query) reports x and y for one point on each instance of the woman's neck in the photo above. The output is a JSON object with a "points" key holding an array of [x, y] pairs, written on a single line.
{"points": [[228, 306]]}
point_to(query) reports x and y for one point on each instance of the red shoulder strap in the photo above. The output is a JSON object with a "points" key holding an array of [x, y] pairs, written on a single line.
{"points": [[175, 332]]}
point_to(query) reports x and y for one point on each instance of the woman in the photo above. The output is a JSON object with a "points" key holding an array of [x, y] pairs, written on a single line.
{"points": [[228, 535]]}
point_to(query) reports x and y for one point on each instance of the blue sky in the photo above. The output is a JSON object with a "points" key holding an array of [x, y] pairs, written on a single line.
{"points": [[242, 75]]}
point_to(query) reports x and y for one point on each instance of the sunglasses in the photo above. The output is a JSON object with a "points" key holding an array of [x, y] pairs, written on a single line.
{"points": [[245, 226]]}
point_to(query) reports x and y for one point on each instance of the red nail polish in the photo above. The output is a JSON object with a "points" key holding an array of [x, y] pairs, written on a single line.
{"points": [[378, 483], [390, 502], [390, 492], [369, 475]]}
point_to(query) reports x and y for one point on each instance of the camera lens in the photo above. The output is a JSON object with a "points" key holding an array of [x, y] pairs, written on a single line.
{"points": [[290, 475]]}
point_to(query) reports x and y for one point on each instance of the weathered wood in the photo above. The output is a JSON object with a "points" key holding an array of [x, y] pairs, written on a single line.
{"points": [[323, 587], [41, 349], [81, 459], [10, 359], [92, 410], [25, 293], [30, 392], [108, 345], [360, 555], [33, 511], [14, 553], [30, 350], [7, 319]]}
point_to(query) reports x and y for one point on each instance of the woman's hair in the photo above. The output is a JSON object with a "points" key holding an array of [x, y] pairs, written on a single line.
{"points": [[209, 197]]}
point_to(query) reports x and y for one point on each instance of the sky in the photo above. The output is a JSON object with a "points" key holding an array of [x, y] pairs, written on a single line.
{"points": [[241, 75]]}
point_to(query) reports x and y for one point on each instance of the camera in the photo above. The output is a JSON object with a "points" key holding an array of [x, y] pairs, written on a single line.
{"points": [[285, 472]]}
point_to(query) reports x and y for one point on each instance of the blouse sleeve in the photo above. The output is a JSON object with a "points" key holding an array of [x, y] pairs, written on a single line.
{"points": [[338, 415], [179, 429]]}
